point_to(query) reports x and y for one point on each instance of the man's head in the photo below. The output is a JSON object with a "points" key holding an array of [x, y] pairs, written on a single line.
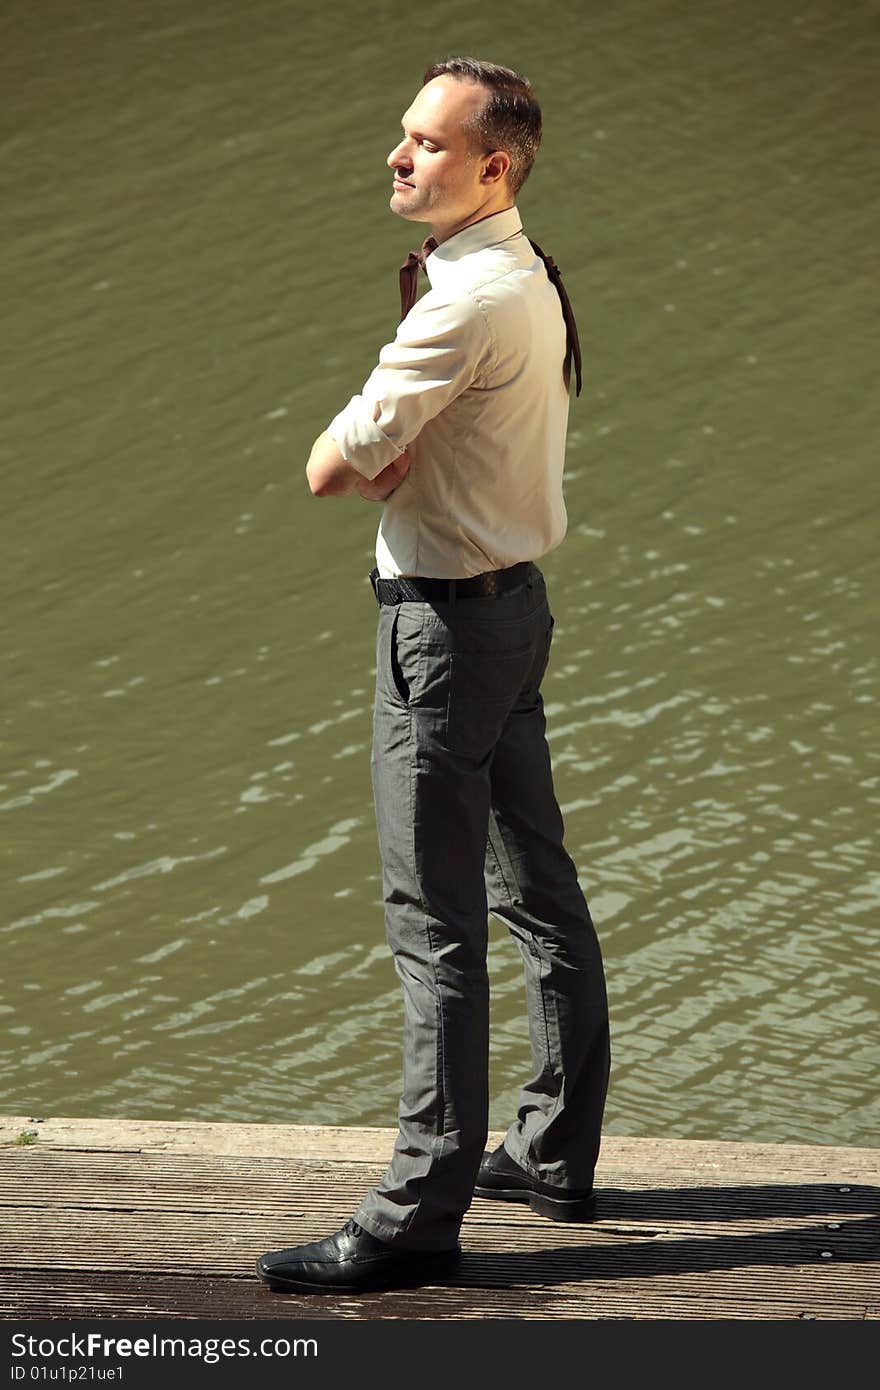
{"points": [[469, 140]]}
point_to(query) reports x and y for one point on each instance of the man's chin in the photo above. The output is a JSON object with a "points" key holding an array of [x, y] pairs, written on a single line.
{"points": [[404, 206]]}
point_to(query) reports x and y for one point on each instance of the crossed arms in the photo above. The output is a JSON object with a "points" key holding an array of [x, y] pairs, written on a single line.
{"points": [[437, 353]]}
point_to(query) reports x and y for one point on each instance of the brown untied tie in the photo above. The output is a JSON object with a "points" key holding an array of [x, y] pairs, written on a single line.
{"points": [[409, 279], [409, 275], [572, 343]]}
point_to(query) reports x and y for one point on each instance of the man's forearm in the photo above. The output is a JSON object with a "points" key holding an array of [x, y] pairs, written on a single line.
{"points": [[331, 475], [328, 473]]}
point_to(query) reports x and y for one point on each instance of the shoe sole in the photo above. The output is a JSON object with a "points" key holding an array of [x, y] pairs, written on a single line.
{"points": [[555, 1208], [401, 1279]]}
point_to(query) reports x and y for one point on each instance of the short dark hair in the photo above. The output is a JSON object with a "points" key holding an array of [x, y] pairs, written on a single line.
{"points": [[511, 117]]}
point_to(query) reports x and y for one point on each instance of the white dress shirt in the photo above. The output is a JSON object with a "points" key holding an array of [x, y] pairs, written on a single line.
{"points": [[472, 387]]}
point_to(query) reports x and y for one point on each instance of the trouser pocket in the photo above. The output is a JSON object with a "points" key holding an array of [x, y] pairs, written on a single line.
{"points": [[399, 655]]}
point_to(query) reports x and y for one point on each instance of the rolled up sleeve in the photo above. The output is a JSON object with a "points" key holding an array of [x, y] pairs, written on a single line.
{"points": [[441, 348]]}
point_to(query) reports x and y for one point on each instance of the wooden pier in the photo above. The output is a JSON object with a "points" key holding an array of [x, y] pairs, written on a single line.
{"points": [[136, 1219]]}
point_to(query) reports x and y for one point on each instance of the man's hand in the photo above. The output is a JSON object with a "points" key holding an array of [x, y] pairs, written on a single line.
{"points": [[379, 488]]}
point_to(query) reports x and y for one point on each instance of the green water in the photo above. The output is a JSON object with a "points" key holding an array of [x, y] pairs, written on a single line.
{"points": [[198, 268]]}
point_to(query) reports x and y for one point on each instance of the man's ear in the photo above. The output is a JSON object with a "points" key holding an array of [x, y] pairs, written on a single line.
{"points": [[496, 167]]}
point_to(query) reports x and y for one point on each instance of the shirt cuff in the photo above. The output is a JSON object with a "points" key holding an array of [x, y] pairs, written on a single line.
{"points": [[361, 443]]}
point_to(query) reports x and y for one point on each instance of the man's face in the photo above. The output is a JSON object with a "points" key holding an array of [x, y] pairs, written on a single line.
{"points": [[437, 166]]}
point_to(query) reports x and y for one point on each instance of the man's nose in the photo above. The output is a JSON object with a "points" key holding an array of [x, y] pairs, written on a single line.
{"points": [[399, 156]]}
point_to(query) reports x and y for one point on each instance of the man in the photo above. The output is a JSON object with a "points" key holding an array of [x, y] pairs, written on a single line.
{"points": [[460, 431]]}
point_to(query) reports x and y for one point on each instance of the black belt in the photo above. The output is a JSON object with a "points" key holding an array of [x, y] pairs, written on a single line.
{"points": [[410, 589]]}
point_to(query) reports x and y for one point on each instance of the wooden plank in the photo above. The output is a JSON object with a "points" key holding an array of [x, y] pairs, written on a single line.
{"points": [[373, 1145], [57, 1177], [368, 1145], [187, 1239], [119, 1295]]}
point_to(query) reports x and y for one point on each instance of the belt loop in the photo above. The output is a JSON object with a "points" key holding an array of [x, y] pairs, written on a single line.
{"points": [[374, 581], [452, 591]]}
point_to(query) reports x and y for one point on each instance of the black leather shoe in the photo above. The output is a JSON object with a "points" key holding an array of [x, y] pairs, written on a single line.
{"points": [[503, 1179], [353, 1261]]}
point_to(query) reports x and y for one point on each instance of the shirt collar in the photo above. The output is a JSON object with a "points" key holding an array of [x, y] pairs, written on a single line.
{"points": [[489, 231]]}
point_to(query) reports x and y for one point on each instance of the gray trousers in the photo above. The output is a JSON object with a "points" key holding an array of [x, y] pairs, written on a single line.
{"points": [[469, 824]]}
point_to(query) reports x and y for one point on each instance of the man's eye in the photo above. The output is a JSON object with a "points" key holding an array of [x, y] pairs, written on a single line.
{"points": [[432, 149]]}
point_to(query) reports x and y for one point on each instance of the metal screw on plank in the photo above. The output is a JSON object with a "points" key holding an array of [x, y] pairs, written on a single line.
{"points": [[827, 1254], [832, 1226]]}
